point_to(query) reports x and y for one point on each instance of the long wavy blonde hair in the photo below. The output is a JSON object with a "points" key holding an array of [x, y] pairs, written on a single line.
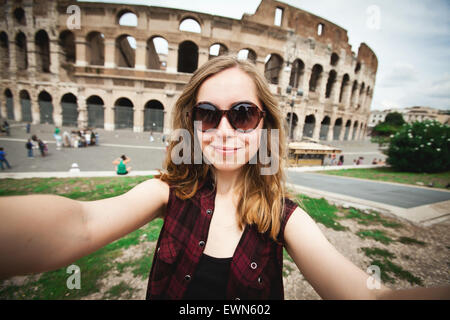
{"points": [[261, 200]]}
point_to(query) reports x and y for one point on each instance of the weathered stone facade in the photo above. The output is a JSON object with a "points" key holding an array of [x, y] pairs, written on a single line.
{"points": [[93, 76]]}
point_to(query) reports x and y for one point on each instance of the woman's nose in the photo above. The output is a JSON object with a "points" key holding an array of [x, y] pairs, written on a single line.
{"points": [[224, 128]]}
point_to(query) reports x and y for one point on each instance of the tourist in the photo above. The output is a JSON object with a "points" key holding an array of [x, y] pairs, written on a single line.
{"points": [[341, 160], [374, 161], [3, 159], [28, 127], [6, 127], [29, 146], [226, 219], [121, 163], [42, 147]]}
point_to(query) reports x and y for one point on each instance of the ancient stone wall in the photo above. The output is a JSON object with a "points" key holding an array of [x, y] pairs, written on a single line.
{"points": [[125, 65]]}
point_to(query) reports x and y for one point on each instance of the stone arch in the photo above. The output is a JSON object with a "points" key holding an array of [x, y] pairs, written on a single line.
{"points": [[324, 127], [42, 43], [217, 49], [330, 84], [247, 54], [154, 116], [334, 59], [69, 109], [157, 51], [19, 16], [355, 128], [66, 42], [316, 76], [45, 107], [187, 57], [96, 111], [125, 54], [297, 72], [9, 100], [353, 94], [4, 51], [95, 48], [123, 113], [25, 106], [21, 51], [357, 67], [344, 86], [190, 24], [337, 129], [348, 124], [273, 67], [308, 127], [127, 18], [290, 130], [361, 95]]}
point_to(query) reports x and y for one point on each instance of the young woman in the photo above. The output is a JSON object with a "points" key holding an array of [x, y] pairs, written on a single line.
{"points": [[121, 164], [226, 219]]}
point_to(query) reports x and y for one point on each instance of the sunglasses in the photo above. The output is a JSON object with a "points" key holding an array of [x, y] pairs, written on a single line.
{"points": [[242, 116]]}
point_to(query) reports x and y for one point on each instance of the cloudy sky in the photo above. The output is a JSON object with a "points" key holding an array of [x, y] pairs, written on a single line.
{"points": [[411, 39]]}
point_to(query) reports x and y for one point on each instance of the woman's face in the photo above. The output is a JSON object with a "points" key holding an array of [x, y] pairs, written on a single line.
{"points": [[224, 147]]}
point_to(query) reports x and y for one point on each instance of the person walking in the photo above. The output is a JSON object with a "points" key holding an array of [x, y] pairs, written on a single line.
{"points": [[29, 147], [42, 147], [6, 127], [3, 159], [28, 127], [121, 162]]}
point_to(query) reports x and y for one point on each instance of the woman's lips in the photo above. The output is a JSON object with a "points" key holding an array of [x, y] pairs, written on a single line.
{"points": [[225, 150]]}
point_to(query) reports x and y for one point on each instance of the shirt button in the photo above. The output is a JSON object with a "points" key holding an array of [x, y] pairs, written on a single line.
{"points": [[201, 243], [209, 211], [253, 265], [259, 280], [187, 277], [237, 298]]}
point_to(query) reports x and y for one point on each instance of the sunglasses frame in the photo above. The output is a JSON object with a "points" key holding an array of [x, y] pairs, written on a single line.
{"points": [[261, 114]]}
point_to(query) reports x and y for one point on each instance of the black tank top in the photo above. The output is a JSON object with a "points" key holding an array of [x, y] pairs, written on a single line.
{"points": [[210, 279]]}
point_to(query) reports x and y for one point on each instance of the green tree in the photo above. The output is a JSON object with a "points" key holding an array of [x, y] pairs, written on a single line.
{"points": [[394, 118], [420, 147]]}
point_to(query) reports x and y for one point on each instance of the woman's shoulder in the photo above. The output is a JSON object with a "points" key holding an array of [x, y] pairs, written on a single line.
{"points": [[155, 186]]}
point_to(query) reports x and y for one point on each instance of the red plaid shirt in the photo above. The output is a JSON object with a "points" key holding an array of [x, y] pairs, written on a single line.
{"points": [[256, 267]]}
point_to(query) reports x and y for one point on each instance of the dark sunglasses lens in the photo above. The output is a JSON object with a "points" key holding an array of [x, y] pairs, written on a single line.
{"points": [[244, 117], [208, 115]]}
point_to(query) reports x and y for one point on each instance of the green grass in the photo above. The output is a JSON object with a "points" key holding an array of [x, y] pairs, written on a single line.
{"points": [[369, 218], [321, 211], [377, 235], [407, 240], [121, 290], [439, 180]]}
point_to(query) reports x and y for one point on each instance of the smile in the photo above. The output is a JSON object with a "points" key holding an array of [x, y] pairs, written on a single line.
{"points": [[225, 150]]}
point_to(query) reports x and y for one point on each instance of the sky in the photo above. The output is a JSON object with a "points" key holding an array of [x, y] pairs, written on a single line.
{"points": [[411, 39]]}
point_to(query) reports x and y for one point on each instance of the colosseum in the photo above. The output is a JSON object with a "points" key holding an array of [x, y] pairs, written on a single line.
{"points": [[117, 66]]}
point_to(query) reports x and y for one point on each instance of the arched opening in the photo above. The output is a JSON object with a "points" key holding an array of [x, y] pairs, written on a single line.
{"points": [[357, 68], [297, 72], [272, 68], [4, 51], [19, 17], [355, 128], [344, 85], [337, 129], [95, 48], [247, 54], [157, 53], [187, 57], [334, 59], [190, 25], [45, 107], [96, 112], [154, 116], [123, 113], [125, 51], [127, 18], [324, 127], [361, 96], [347, 129], [42, 43], [291, 126], [9, 104], [216, 50], [320, 29], [25, 105], [316, 76], [69, 110], [330, 84], [67, 44], [308, 128], [353, 95], [21, 51]]}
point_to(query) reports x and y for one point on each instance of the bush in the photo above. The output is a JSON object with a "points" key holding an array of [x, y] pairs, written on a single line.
{"points": [[394, 118], [420, 147]]}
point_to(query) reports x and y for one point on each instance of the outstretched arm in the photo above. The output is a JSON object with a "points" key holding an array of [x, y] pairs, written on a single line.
{"points": [[45, 232], [331, 274]]}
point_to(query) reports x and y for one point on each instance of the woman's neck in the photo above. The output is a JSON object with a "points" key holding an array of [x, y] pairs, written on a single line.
{"points": [[227, 181]]}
